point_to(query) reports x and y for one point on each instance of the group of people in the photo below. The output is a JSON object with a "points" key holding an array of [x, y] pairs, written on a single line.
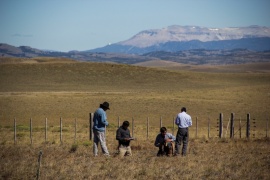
{"points": [[167, 143]]}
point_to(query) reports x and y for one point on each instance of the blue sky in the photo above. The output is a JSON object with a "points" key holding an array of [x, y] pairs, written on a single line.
{"points": [[66, 25]]}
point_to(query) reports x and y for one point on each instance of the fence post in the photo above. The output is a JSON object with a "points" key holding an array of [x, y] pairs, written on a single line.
{"points": [[208, 127], [220, 124], [118, 121], [267, 122], [91, 126], [132, 127], [196, 135], [232, 126], [254, 128], [160, 123], [61, 129], [39, 164], [15, 138], [147, 130], [248, 126], [46, 128], [173, 125], [75, 135], [240, 128], [31, 139]]}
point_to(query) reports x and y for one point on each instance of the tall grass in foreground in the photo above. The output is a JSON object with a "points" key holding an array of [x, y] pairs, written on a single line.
{"points": [[207, 159]]}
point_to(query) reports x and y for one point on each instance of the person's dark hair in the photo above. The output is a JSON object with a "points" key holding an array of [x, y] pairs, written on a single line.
{"points": [[125, 123], [163, 129], [183, 109]]}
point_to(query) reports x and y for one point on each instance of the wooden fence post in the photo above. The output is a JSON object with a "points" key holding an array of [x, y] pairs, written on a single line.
{"points": [[91, 116], [147, 130], [31, 130], [254, 128], [208, 127], [248, 126], [160, 122], [39, 164], [61, 129], [220, 125], [15, 138], [232, 126], [196, 134], [46, 128], [132, 127], [240, 128], [75, 134], [267, 122], [173, 126], [118, 121]]}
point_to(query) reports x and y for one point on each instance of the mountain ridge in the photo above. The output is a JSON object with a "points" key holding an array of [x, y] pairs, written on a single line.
{"points": [[182, 44], [193, 56], [148, 38], [192, 37]]}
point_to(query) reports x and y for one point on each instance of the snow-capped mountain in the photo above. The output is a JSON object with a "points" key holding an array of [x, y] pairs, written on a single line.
{"points": [[193, 37], [188, 33]]}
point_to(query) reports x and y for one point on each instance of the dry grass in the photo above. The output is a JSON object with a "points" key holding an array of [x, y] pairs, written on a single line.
{"points": [[207, 159], [235, 68], [40, 89]]}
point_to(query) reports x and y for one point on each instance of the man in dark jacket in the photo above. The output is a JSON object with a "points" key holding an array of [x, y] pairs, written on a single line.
{"points": [[164, 141], [124, 138]]}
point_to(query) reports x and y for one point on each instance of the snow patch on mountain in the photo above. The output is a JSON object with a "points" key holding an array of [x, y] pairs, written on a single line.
{"points": [[177, 33]]}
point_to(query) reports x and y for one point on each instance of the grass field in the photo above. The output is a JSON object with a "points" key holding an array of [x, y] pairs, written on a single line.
{"points": [[52, 88]]}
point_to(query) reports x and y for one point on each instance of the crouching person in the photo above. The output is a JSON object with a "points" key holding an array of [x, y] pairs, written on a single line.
{"points": [[165, 142], [124, 138]]}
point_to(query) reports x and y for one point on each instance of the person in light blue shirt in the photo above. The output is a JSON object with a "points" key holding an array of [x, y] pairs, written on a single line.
{"points": [[164, 141], [183, 121], [100, 122]]}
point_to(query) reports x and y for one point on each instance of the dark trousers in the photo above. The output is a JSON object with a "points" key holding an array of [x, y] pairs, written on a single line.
{"points": [[182, 136], [165, 149]]}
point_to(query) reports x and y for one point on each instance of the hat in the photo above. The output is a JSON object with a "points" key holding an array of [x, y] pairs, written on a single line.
{"points": [[105, 105]]}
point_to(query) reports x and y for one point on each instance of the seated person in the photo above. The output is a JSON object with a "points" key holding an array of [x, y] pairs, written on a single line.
{"points": [[164, 141], [124, 138]]}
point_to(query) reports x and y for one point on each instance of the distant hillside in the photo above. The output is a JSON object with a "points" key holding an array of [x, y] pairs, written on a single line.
{"points": [[232, 68], [196, 56], [202, 56]]}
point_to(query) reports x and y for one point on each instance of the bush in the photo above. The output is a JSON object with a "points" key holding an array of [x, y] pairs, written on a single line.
{"points": [[73, 148]]}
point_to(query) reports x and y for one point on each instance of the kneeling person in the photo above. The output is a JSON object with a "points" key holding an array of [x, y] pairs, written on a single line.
{"points": [[124, 138], [164, 141]]}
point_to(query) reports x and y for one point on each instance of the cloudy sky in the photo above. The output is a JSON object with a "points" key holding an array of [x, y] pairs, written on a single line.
{"points": [[66, 25]]}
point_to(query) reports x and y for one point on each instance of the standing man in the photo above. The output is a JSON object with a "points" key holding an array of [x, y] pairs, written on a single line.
{"points": [[183, 121], [100, 123], [164, 141], [124, 138]]}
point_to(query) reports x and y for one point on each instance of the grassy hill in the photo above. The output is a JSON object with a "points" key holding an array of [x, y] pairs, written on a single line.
{"points": [[235, 68], [72, 89], [51, 88]]}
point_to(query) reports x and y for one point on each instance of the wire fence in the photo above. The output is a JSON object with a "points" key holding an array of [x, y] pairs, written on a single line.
{"points": [[230, 128]]}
